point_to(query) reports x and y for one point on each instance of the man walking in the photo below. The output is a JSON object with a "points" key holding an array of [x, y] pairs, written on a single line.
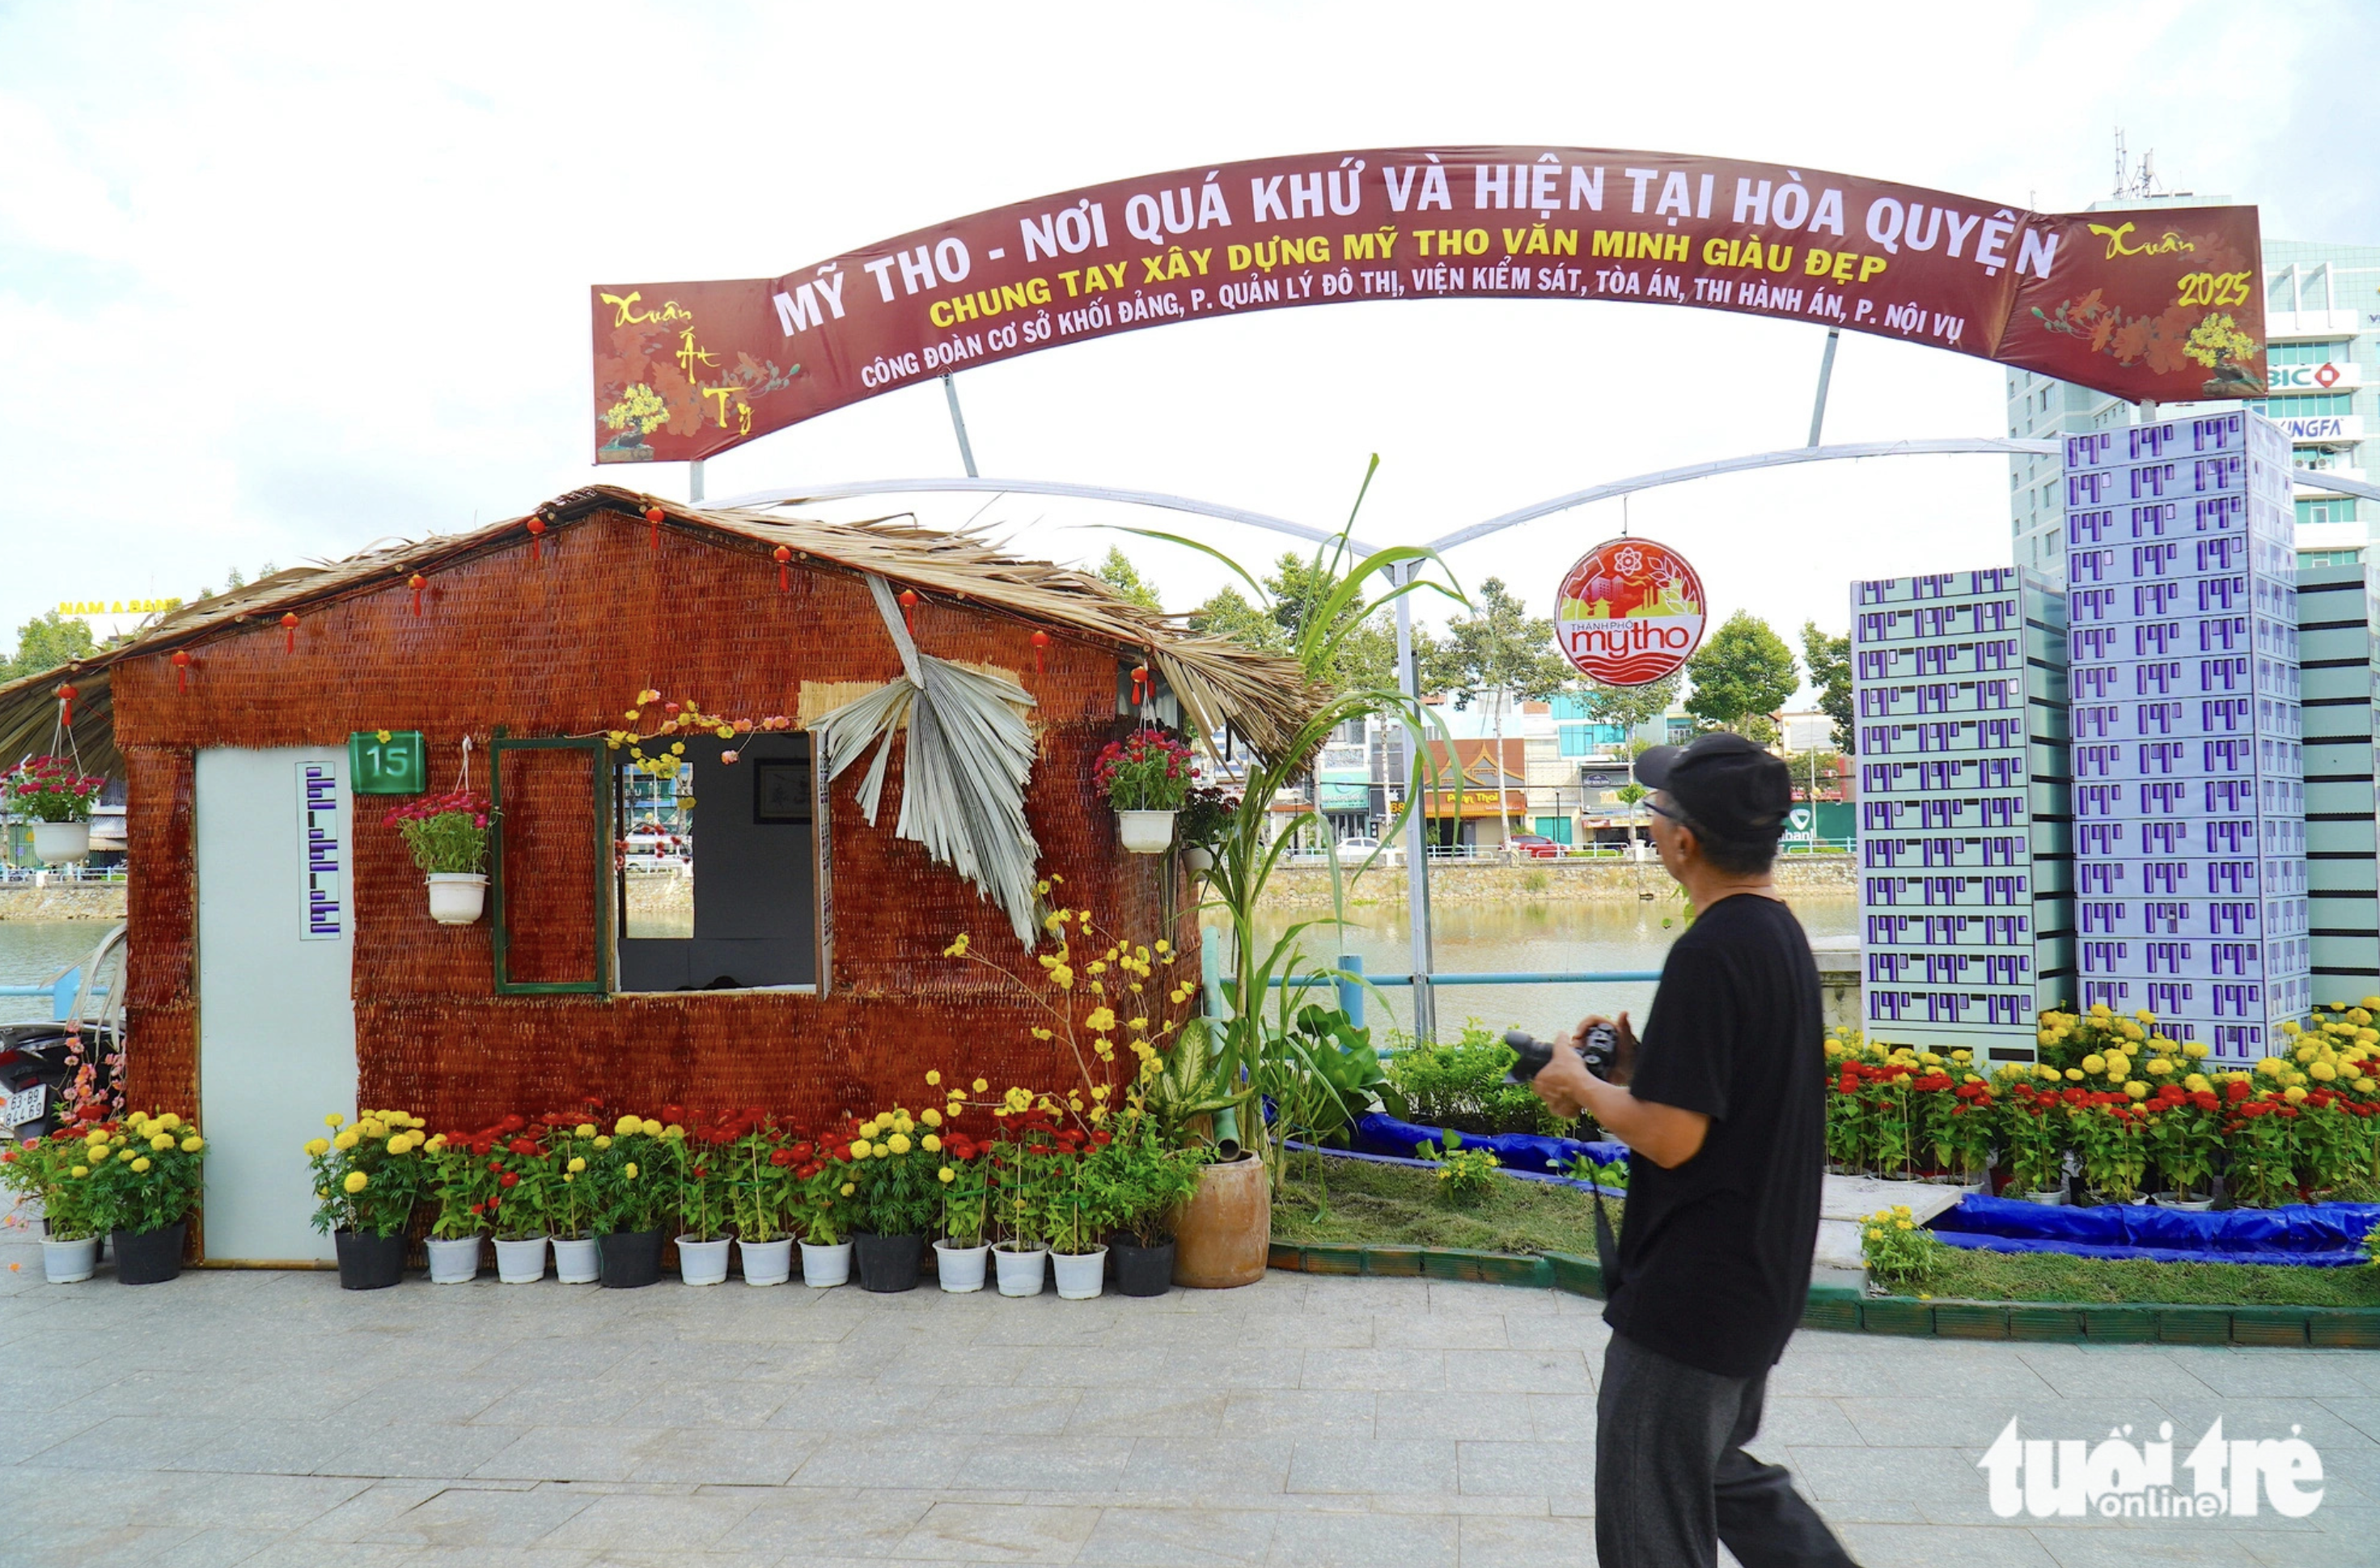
{"points": [[1722, 1109]]}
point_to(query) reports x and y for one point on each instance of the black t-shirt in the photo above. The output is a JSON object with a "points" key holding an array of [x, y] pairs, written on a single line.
{"points": [[1714, 1254]]}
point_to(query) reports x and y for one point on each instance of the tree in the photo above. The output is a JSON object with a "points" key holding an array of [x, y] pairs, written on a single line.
{"points": [[1228, 613], [45, 643], [1118, 571], [1631, 707], [1502, 653], [1828, 660], [1365, 655], [1742, 674]]}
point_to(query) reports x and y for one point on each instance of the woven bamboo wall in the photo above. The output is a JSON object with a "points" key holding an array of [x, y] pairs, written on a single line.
{"points": [[559, 645]]}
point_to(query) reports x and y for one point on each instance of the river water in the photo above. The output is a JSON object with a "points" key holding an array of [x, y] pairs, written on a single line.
{"points": [[1471, 938]]}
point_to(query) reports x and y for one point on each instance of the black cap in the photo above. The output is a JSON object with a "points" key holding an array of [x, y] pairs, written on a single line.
{"points": [[1732, 789]]}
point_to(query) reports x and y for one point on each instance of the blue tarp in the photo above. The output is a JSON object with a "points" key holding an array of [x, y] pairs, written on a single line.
{"points": [[1380, 1134], [2324, 1236]]}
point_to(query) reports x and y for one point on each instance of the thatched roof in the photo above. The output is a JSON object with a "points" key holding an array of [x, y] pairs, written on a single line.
{"points": [[1263, 697]]}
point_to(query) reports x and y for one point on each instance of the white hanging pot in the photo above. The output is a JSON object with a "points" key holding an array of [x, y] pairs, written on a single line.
{"points": [[1081, 1275], [453, 1260], [767, 1262], [1197, 861], [1146, 833], [61, 844], [960, 1268], [702, 1262], [457, 897]]}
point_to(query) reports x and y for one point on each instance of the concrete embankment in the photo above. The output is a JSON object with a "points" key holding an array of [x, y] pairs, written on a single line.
{"points": [[1536, 882], [100, 901]]}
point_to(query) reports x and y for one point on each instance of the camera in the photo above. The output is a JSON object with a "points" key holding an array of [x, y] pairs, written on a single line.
{"points": [[1599, 1050]]}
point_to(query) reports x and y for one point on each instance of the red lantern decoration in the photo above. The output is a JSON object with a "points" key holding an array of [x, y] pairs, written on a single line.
{"points": [[181, 669], [653, 515], [784, 576], [289, 631], [909, 610], [1040, 647], [1139, 685], [66, 706], [536, 537], [415, 582]]}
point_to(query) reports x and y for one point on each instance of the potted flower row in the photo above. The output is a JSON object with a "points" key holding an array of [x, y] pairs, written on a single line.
{"points": [[447, 837], [56, 796], [133, 1181]]}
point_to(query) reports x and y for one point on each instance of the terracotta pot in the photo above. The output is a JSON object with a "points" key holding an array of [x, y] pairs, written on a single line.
{"points": [[1224, 1234]]}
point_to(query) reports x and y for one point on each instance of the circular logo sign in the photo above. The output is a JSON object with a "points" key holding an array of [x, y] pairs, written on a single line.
{"points": [[1630, 613]]}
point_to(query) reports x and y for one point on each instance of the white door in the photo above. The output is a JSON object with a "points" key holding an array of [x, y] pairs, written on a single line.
{"points": [[276, 1007]]}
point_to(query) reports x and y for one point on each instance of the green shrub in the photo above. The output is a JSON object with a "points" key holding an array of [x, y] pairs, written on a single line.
{"points": [[1463, 1085], [1465, 1176]]}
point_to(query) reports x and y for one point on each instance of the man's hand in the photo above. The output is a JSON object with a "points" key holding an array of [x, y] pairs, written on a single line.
{"points": [[1623, 1064], [1563, 1082], [1663, 1133]]}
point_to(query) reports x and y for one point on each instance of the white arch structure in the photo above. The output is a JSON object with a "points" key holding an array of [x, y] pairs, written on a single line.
{"points": [[1931, 447]]}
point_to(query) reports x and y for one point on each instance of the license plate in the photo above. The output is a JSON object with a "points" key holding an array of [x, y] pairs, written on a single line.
{"points": [[26, 1105]]}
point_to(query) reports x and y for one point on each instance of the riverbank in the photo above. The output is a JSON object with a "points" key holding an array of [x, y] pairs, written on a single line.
{"points": [[94, 901], [1536, 881]]}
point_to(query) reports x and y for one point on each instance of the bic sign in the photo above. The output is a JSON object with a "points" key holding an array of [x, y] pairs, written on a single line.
{"points": [[2313, 378]]}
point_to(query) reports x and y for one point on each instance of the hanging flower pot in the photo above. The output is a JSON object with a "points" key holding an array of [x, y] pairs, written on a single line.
{"points": [[457, 898], [1146, 833], [1197, 861], [61, 844], [453, 1260]]}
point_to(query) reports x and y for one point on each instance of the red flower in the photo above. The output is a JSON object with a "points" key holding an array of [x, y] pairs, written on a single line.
{"points": [[522, 1146], [2236, 1092], [508, 1180]]}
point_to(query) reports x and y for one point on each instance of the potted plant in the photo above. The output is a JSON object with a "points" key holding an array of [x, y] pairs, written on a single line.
{"points": [[522, 1171], [577, 1261], [1146, 777], [761, 1190], [898, 1198], [56, 796], [460, 1186], [961, 1253], [700, 1164], [1025, 1159], [630, 1193], [1081, 1209], [56, 1170], [1206, 817], [367, 1179], [828, 1191], [447, 835], [2035, 1139], [144, 1180], [1146, 1181]]}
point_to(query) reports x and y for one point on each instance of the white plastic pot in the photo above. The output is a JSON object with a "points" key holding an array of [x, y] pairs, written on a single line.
{"points": [[453, 1260], [1197, 861], [767, 1262], [1146, 833], [960, 1268], [520, 1263], [1081, 1275], [577, 1261], [69, 1263], [2187, 1205], [1020, 1272], [702, 1262], [2053, 1199], [825, 1265], [61, 844], [457, 898]]}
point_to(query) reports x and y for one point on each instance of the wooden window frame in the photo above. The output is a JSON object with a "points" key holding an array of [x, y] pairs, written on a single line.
{"points": [[599, 824]]}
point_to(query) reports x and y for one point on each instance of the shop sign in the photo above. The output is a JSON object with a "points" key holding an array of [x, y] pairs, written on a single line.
{"points": [[387, 762], [2315, 378], [686, 370], [2322, 426], [1630, 612], [322, 852]]}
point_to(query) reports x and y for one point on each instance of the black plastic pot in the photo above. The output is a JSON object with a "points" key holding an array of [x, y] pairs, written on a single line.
{"points": [[1142, 1271], [368, 1262], [888, 1264], [148, 1257], [630, 1259]]}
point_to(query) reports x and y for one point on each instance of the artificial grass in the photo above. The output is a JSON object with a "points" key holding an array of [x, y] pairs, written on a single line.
{"points": [[1401, 1206], [2051, 1276]]}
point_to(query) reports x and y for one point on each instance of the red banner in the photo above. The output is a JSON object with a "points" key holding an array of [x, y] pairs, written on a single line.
{"points": [[2166, 304]]}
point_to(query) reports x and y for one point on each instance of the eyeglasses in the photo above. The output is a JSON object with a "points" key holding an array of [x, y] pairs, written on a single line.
{"points": [[1660, 810]]}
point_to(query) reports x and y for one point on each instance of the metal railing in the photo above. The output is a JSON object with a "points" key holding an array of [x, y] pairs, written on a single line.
{"points": [[1351, 980]]}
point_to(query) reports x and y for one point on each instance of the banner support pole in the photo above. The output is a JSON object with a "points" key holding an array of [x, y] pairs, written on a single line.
{"points": [[694, 480], [958, 423], [1825, 374], [1424, 1021]]}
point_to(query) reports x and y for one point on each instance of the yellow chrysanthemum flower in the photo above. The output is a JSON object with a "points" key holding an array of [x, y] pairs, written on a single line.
{"points": [[357, 1181]]}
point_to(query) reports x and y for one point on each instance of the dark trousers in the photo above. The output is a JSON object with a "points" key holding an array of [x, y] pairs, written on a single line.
{"points": [[1671, 1478]]}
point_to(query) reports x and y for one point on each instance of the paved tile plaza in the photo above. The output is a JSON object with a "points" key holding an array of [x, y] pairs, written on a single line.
{"points": [[270, 1417]]}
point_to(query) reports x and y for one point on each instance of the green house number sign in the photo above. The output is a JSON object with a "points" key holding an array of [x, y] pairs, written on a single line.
{"points": [[387, 762]]}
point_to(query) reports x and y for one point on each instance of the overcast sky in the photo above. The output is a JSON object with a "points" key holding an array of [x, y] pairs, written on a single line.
{"points": [[276, 280]]}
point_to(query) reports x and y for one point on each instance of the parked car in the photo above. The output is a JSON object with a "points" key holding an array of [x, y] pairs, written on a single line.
{"points": [[1534, 845], [1355, 851]]}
